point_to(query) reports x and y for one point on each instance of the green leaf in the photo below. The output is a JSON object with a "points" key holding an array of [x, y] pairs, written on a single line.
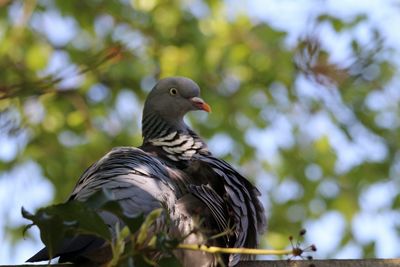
{"points": [[52, 228], [103, 200], [64, 220]]}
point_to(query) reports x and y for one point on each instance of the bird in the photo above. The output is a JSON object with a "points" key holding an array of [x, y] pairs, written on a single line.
{"points": [[173, 169]]}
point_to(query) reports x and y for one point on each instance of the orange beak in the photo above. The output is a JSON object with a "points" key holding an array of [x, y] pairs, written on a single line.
{"points": [[200, 104]]}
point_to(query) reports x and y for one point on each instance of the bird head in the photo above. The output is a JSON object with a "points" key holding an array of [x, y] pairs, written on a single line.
{"points": [[171, 98]]}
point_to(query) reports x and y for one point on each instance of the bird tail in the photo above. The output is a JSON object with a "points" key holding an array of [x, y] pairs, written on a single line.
{"points": [[42, 255]]}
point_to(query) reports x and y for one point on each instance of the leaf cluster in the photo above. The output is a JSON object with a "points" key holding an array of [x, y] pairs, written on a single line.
{"points": [[132, 241]]}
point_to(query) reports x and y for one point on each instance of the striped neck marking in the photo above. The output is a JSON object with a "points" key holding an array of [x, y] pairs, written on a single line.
{"points": [[178, 146]]}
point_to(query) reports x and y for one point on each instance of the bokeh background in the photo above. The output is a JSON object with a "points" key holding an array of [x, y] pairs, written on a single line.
{"points": [[305, 97]]}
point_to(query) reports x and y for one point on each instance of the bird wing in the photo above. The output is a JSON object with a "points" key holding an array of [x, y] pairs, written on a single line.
{"points": [[137, 180], [214, 202], [242, 200]]}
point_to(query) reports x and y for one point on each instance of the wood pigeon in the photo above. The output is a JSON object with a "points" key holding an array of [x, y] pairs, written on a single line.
{"points": [[173, 169]]}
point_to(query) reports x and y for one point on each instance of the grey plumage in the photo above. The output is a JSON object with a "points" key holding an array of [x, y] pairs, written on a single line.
{"points": [[173, 169]]}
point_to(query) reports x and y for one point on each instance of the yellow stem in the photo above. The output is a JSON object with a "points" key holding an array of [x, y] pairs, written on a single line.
{"points": [[234, 250]]}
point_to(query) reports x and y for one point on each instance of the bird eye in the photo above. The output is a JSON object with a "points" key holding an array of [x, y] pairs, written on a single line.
{"points": [[173, 91]]}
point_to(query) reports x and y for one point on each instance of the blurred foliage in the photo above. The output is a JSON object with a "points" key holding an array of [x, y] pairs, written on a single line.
{"points": [[74, 75]]}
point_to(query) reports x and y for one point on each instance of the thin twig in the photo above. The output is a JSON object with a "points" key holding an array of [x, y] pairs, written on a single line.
{"points": [[252, 251]]}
